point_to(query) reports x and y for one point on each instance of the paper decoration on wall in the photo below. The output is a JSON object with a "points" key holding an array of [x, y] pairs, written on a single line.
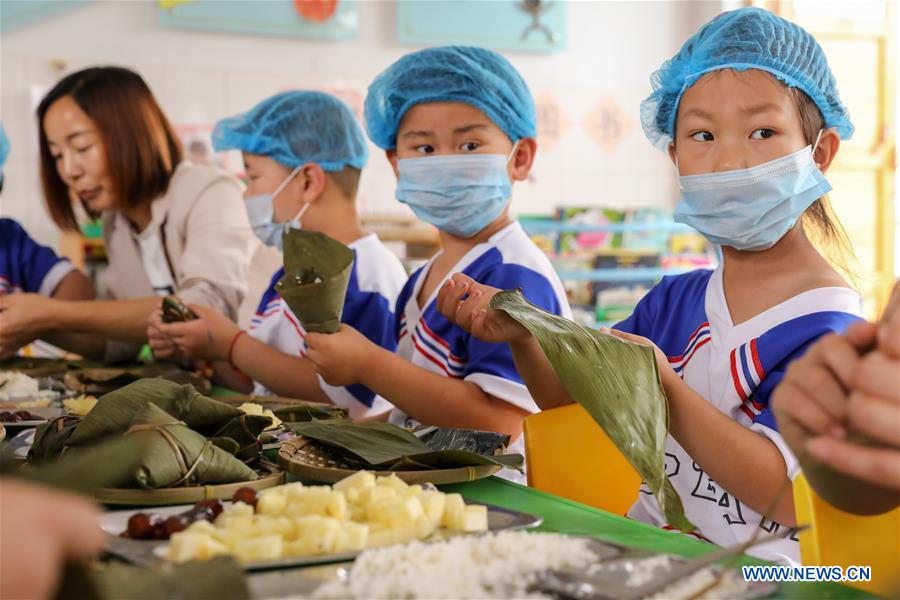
{"points": [[16, 13], [532, 25], [607, 124], [330, 19], [196, 141], [552, 120]]}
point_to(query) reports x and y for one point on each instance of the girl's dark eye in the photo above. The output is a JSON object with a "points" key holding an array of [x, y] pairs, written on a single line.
{"points": [[425, 149], [762, 134], [702, 136], [470, 146]]}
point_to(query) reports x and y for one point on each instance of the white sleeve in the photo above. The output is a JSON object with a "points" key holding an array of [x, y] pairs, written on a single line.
{"points": [[55, 276]]}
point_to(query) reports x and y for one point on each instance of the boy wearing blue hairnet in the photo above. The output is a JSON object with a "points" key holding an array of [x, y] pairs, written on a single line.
{"points": [[750, 115], [303, 153], [458, 127], [26, 266]]}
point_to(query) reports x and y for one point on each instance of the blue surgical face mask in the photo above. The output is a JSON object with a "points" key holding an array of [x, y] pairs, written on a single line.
{"points": [[751, 209], [260, 210], [460, 194]]}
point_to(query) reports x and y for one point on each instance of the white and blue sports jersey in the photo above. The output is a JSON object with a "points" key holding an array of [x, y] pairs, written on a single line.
{"points": [[25, 265], [736, 368], [375, 281], [508, 260]]}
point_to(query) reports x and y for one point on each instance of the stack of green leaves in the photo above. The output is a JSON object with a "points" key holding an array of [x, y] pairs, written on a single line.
{"points": [[617, 382], [381, 447]]}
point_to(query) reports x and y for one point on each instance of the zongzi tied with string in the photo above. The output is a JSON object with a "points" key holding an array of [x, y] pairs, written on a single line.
{"points": [[114, 411], [317, 271], [617, 382], [97, 382], [174, 455]]}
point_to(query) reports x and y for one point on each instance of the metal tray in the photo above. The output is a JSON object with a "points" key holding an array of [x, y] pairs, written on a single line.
{"points": [[150, 553]]}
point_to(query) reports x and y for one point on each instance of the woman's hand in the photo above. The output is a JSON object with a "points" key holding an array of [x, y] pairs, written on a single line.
{"points": [[467, 304], [207, 337], [43, 529], [23, 318], [342, 357]]}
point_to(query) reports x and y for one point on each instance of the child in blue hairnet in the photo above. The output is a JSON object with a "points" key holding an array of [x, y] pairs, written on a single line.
{"points": [[26, 266], [458, 127], [303, 153], [750, 115]]}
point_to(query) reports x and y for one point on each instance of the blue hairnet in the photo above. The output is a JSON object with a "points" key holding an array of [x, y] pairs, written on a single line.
{"points": [[474, 76], [747, 38], [295, 128], [4, 146]]}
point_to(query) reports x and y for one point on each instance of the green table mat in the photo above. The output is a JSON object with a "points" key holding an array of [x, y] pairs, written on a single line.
{"points": [[564, 516]]}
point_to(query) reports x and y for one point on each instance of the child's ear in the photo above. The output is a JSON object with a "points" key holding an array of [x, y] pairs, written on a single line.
{"points": [[313, 181], [827, 149], [672, 156], [521, 162], [392, 158]]}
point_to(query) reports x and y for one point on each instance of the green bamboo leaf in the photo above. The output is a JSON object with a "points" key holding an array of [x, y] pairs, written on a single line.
{"points": [[316, 274], [383, 446], [617, 382]]}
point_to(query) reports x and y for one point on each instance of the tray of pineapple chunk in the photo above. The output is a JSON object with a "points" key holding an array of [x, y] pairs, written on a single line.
{"points": [[295, 525]]}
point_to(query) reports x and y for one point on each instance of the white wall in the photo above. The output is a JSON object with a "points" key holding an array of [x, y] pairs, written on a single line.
{"points": [[611, 50]]}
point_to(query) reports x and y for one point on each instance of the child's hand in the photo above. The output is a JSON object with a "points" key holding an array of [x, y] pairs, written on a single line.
{"points": [[474, 313], [812, 399], [340, 357], [208, 336], [666, 373], [162, 345], [873, 410]]}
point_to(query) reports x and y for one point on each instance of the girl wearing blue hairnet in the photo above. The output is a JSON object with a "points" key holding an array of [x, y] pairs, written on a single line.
{"points": [[458, 126], [750, 115], [303, 152]]}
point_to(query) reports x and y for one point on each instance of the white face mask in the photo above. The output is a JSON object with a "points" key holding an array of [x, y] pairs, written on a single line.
{"points": [[260, 210], [751, 209]]}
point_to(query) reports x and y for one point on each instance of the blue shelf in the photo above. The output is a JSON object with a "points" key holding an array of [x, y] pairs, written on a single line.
{"points": [[533, 227], [627, 275]]}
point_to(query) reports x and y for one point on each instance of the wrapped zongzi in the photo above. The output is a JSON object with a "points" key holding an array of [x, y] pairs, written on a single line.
{"points": [[114, 411], [174, 455], [316, 273]]}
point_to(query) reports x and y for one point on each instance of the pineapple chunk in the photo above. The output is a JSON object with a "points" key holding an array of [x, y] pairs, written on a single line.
{"points": [[318, 500], [318, 534], [187, 545], [374, 494], [454, 510], [475, 518], [359, 480], [355, 536], [433, 503], [405, 512], [283, 526], [424, 527], [413, 490], [262, 548], [271, 504], [394, 482], [388, 536]]}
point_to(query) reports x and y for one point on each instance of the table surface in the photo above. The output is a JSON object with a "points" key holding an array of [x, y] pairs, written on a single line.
{"points": [[564, 516]]}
